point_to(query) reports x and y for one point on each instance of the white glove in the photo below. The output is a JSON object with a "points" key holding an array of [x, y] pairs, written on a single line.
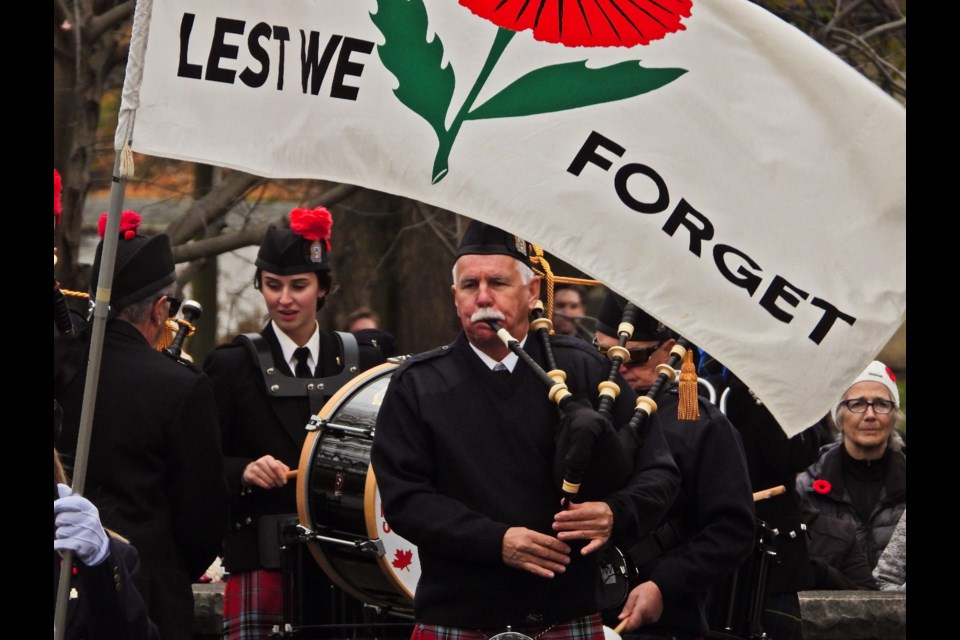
{"points": [[79, 528]]}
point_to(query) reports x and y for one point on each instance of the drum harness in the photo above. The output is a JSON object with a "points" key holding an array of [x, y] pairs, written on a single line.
{"points": [[316, 390]]}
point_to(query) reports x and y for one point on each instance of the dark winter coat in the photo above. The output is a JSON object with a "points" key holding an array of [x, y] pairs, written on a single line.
{"points": [[874, 532]]}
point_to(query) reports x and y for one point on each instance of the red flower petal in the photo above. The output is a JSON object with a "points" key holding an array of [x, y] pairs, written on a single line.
{"points": [[890, 373], [587, 23]]}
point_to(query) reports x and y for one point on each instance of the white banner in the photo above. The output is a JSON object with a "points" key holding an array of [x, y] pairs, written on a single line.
{"points": [[731, 176]]}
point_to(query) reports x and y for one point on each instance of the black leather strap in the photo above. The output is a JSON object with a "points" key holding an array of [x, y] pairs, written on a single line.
{"points": [[665, 537], [316, 389]]}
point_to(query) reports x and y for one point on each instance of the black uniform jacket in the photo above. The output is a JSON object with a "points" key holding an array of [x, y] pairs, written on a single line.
{"points": [[712, 517], [462, 455], [774, 459], [155, 470], [254, 424], [104, 603]]}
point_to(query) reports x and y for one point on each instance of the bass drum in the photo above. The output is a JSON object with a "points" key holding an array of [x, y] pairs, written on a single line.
{"points": [[338, 499]]}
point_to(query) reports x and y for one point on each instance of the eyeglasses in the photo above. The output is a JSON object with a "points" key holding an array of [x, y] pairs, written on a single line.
{"points": [[174, 305], [859, 405], [638, 356]]}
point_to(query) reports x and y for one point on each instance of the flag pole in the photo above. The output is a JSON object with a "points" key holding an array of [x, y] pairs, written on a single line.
{"points": [[122, 169]]}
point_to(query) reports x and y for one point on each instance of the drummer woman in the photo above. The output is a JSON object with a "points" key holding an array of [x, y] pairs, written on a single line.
{"points": [[262, 429]]}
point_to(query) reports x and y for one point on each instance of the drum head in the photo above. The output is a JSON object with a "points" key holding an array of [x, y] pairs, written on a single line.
{"points": [[338, 499]]}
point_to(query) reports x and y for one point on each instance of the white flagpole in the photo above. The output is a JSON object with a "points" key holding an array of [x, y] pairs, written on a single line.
{"points": [[122, 169]]}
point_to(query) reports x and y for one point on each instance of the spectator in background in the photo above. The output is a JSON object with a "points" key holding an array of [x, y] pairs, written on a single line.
{"points": [[863, 478], [364, 323], [891, 571], [568, 308], [362, 318]]}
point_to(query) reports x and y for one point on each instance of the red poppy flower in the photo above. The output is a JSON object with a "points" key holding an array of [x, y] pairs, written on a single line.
{"points": [[587, 23], [312, 224], [129, 223], [822, 487], [890, 373]]}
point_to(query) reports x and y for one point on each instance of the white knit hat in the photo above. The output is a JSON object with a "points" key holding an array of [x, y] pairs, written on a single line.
{"points": [[876, 371]]}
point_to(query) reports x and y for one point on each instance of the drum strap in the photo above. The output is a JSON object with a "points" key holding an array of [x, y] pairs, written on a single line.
{"points": [[665, 537], [316, 389]]}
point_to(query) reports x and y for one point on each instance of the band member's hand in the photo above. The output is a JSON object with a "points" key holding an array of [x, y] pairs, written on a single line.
{"points": [[591, 521], [644, 605], [266, 472], [535, 552]]}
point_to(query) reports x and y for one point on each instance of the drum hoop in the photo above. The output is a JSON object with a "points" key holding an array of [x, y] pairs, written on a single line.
{"points": [[369, 512], [303, 475]]}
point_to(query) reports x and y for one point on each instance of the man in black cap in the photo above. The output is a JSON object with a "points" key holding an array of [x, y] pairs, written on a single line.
{"points": [[155, 471], [465, 454], [709, 530], [267, 386]]}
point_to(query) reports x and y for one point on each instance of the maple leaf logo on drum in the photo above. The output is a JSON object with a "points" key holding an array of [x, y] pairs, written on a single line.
{"points": [[426, 85], [402, 559]]}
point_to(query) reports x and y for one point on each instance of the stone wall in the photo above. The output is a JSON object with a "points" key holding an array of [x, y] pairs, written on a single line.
{"points": [[827, 615]]}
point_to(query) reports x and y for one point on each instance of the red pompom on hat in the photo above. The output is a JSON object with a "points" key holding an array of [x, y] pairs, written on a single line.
{"points": [[144, 264], [57, 200], [129, 224], [313, 225]]}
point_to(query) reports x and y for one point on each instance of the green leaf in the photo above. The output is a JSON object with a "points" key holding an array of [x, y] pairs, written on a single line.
{"points": [[571, 85], [425, 88]]}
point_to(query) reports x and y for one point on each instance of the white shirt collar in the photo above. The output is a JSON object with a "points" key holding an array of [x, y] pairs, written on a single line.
{"points": [[510, 361], [288, 346]]}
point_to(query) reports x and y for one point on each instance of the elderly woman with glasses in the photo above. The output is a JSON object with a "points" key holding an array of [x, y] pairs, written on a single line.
{"points": [[863, 477]]}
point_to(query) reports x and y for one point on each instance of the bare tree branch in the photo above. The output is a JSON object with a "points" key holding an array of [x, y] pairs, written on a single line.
{"points": [[333, 196], [214, 246], [97, 25], [212, 206]]}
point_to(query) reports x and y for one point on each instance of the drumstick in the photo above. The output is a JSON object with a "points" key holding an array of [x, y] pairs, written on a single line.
{"points": [[620, 627], [769, 493], [291, 475]]}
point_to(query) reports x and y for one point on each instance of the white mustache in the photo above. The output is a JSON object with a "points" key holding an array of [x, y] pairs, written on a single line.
{"points": [[487, 314]]}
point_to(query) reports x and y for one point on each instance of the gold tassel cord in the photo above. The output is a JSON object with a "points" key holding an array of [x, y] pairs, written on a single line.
{"points": [[688, 407], [552, 279], [173, 324]]}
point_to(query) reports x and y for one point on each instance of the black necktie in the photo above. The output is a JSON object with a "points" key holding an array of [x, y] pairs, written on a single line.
{"points": [[303, 370], [501, 370]]}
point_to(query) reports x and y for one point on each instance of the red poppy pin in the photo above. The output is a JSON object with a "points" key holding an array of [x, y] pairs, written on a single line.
{"points": [[822, 487]]}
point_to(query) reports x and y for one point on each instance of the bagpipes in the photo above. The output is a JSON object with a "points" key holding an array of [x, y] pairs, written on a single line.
{"points": [[589, 452], [183, 327]]}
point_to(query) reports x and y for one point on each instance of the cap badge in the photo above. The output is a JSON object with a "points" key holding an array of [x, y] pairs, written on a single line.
{"points": [[521, 244], [316, 252]]}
